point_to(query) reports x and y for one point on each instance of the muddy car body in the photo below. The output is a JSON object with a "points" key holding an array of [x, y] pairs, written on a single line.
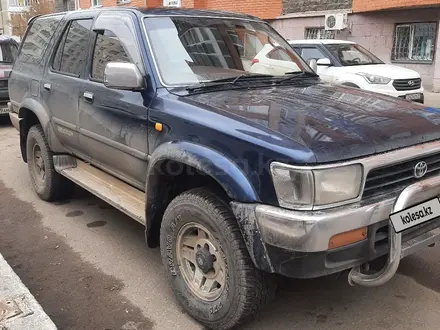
{"points": [[236, 175]]}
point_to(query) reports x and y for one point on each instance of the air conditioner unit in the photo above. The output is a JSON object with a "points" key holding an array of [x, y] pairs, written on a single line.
{"points": [[337, 21]]}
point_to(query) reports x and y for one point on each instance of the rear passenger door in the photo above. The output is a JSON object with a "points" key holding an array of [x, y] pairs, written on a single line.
{"points": [[114, 123], [64, 76]]}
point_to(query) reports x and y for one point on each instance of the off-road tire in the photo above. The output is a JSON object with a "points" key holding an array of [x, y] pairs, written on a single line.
{"points": [[54, 186], [247, 289]]}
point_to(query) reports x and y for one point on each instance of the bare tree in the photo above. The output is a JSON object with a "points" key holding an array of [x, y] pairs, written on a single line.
{"points": [[19, 20]]}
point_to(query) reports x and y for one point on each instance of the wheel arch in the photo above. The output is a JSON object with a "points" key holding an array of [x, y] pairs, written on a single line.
{"points": [[177, 167]]}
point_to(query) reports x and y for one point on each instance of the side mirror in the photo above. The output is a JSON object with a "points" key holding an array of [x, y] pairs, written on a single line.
{"points": [[121, 75], [324, 62], [313, 64]]}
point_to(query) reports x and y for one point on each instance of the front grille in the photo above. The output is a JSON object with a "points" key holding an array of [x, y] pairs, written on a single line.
{"points": [[380, 233], [398, 176], [407, 84]]}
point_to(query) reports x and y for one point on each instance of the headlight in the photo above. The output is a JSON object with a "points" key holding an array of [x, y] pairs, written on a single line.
{"points": [[303, 189], [374, 79]]}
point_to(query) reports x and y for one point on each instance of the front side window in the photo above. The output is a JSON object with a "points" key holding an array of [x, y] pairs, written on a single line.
{"points": [[71, 55], [414, 42], [352, 54], [115, 42], [108, 48], [193, 50]]}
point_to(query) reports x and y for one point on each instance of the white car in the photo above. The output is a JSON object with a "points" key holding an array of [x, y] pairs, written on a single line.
{"points": [[274, 61], [347, 63]]}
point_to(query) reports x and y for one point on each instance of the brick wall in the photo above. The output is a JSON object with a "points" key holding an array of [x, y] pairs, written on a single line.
{"points": [[298, 6], [64, 5], [372, 5], [85, 4], [266, 9]]}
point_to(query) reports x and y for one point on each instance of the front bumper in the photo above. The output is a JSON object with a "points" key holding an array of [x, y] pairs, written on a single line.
{"points": [[296, 243], [389, 89]]}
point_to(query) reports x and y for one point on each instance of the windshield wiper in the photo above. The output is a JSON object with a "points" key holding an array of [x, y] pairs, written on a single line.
{"points": [[229, 81], [298, 74]]}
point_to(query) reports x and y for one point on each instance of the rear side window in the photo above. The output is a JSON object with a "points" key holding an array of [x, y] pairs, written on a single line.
{"points": [[38, 38], [312, 53], [71, 55]]}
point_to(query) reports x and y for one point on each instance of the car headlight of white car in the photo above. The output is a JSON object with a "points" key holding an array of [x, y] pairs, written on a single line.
{"points": [[303, 189], [374, 79]]}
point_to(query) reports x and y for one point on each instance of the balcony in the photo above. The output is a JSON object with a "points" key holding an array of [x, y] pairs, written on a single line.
{"points": [[18, 5]]}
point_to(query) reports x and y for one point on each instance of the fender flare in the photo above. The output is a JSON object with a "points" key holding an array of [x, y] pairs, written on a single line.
{"points": [[37, 109], [210, 162]]}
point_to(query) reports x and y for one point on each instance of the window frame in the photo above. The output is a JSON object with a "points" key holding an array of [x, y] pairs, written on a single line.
{"points": [[61, 38], [319, 28], [97, 6], [411, 25]]}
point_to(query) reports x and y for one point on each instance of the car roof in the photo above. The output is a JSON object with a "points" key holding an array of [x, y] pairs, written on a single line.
{"points": [[163, 11], [320, 41]]}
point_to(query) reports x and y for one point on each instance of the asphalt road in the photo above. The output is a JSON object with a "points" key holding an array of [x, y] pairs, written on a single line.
{"points": [[88, 266]]}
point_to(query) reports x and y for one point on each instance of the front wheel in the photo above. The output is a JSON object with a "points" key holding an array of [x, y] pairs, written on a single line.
{"points": [[208, 264]]}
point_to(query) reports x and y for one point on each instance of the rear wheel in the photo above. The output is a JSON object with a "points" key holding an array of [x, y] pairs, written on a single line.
{"points": [[208, 264], [47, 183]]}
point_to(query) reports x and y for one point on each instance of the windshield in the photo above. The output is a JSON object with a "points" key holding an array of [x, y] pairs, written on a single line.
{"points": [[352, 54], [8, 52], [193, 50]]}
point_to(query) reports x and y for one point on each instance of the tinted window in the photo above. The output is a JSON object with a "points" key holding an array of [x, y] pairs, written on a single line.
{"points": [[312, 53], [71, 55], [8, 52], [37, 38], [108, 48]]}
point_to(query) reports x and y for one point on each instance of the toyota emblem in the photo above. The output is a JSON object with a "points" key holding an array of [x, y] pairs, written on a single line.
{"points": [[420, 169], [411, 82]]}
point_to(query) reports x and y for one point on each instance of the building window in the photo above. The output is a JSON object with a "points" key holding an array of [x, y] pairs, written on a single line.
{"points": [[319, 33], [18, 3], [414, 42], [96, 3]]}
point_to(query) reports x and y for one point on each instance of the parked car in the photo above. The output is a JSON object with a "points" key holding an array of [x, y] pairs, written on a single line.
{"points": [[8, 53], [273, 60], [350, 64], [236, 175]]}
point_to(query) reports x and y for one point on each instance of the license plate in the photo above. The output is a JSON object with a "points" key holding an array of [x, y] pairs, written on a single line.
{"points": [[4, 110], [415, 96], [415, 215]]}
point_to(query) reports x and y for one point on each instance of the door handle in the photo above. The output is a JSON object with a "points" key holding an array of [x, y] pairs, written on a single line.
{"points": [[47, 86], [88, 96]]}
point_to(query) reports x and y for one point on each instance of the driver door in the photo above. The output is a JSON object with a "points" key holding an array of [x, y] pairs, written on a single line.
{"points": [[113, 123]]}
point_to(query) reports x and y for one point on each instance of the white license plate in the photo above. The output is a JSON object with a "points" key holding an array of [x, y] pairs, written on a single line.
{"points": [[415, 215], [4, 110], [415, 96]]}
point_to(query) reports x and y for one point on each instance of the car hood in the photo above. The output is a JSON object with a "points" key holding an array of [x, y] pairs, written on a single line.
{"points": [[385, 70], [335, 123]]}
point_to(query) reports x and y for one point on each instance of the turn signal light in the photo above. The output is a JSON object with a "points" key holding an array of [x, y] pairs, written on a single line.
{"points": [[158, 127], [349, 237]]}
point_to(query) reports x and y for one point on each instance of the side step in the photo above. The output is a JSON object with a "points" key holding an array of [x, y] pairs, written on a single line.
{"points": [[117, 193]]}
